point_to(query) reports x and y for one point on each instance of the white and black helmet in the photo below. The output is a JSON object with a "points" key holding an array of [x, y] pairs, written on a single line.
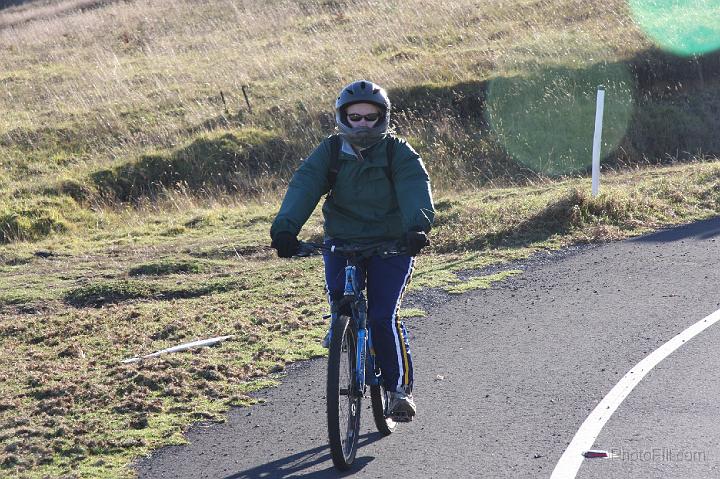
{"points": [[362, 91]]}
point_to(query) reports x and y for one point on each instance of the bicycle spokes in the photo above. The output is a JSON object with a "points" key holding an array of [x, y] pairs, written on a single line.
{"points": [[343, 401]]}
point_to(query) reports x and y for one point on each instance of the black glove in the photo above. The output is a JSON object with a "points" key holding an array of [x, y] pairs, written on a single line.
{"points": [[286, 244], [415, 241]]}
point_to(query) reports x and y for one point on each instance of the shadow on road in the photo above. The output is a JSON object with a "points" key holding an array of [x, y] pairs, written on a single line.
{"points": [[293, 466], [702, 230]]}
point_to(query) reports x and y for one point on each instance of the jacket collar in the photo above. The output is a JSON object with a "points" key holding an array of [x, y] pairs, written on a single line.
{"points": [[347, 148]]}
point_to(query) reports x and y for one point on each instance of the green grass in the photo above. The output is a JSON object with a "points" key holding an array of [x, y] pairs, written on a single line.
{"points": [[101, 293], [233, 161], [161, 268], [412, 313], [70, 318], [481, 282]]}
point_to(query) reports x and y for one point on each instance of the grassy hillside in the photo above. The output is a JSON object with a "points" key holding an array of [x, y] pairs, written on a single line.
{"points": [[137, 183], [113, 102]]}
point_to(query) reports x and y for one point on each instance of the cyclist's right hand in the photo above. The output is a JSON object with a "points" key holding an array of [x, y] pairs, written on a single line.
{"points": [[286, 244]]}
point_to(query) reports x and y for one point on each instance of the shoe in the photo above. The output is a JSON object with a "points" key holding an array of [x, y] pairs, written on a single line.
{"points": [[326, 341], [401, 406]]}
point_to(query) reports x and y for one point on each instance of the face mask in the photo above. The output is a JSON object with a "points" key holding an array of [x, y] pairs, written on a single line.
{"points": [[363, 136]]}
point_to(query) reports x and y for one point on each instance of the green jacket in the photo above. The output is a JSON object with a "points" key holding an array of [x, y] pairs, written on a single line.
{"points": [[365, 206]]}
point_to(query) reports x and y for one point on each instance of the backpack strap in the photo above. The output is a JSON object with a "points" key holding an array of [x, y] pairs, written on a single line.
{"points": [[336, 145], [389, 152]]}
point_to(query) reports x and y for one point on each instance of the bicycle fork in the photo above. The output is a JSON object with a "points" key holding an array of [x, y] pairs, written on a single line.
{"points": [[352, 288]]}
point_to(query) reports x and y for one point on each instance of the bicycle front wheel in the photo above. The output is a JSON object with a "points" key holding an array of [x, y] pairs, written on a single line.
{"points": [[343, 394]]}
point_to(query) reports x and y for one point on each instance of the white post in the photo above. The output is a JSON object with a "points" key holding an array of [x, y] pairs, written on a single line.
{"points": [[596, 140]]}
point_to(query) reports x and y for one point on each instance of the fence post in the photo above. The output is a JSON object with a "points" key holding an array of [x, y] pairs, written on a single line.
{"points": [[600, 106]]}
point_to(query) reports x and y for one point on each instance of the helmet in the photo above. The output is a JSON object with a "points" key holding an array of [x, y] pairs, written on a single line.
{"points": [[362, 91]]}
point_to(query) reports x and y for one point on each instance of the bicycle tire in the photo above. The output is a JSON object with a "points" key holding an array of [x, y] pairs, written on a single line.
{"points": [[384, 423], [343, 395]]}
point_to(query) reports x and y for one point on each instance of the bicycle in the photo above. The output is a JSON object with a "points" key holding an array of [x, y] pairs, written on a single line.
{"points": [[351, 359]]}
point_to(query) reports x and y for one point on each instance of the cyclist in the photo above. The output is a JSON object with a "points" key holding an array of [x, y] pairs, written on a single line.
{"points": [[379, 190]]}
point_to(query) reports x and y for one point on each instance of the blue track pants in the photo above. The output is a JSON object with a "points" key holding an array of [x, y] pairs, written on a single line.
{"points": [[387, 279]]}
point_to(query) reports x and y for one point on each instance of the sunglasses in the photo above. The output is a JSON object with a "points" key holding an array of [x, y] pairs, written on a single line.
{"points": [[370, 117]]}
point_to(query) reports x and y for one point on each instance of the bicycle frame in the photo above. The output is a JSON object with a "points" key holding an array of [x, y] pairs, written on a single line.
{"points": [[365, 373], [365, 361]]}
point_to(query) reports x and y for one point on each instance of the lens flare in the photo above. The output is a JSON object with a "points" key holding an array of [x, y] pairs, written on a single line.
{"points": [[683, 27], [546, 120]]}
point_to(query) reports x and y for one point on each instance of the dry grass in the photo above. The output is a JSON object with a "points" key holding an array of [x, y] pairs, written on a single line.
{"points": [[105, 82], [88, 85]]}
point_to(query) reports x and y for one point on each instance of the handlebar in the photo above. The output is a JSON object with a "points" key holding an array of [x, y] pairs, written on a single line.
{"points": [[383, 249]]}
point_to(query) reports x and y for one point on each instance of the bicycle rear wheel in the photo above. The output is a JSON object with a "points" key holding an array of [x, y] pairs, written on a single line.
{"points": [[383, 421], [343, 395]]}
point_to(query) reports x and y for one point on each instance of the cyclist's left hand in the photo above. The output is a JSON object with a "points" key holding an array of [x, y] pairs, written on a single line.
{"points": [[416, 240]]}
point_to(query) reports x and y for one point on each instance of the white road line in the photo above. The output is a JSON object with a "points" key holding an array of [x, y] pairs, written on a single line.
{"points": [[571, 460]]}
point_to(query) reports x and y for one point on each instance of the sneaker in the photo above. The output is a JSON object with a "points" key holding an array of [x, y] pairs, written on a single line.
{"points": [[401, 406], [326, 341]]}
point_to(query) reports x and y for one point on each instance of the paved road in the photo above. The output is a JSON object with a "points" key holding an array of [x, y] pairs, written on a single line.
{"points": [[523, 364]]}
